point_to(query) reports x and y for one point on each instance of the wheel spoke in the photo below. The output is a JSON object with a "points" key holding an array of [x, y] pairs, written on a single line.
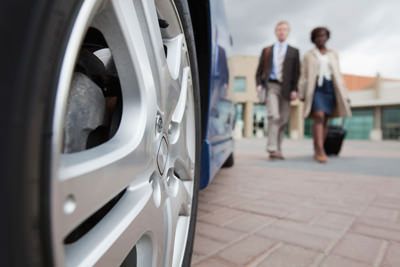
{"points": [[182, 132], [180, 195], [176, 57], [136, 216], [175, 48], [180, 108], [92, 180], [178, 206], [149, 24], [177, 79], [181, 235], [122, 27], [181, 159]]}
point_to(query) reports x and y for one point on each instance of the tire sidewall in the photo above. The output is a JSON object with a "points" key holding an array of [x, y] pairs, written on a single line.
{"points": [[26, 143], [184, 14]]}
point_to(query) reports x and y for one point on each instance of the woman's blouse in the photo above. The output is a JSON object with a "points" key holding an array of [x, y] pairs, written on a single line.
{"points": [[324, 68]]}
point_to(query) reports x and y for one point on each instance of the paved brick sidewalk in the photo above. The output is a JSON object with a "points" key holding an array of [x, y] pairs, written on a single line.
{"points": [[299, 213]]}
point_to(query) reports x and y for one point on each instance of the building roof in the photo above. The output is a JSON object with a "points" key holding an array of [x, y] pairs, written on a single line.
{"points": [[386, 94], [358, 82]]}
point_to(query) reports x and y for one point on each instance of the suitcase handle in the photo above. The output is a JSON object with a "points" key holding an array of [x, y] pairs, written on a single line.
{"points": [[342, 122], [343, 119]]}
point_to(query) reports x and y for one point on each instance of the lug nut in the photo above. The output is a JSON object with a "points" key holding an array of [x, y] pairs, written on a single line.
{"points": [[159, 123]]}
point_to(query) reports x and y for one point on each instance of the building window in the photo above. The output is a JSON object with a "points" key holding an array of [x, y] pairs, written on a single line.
{"points": [[259, 120], [359, 125], [391, 123], [239, 119], [239, 84], [308, 128], [239, 111]]}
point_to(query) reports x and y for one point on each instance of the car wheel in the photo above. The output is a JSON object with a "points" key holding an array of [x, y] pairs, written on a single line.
{"points": [[114, 167]]}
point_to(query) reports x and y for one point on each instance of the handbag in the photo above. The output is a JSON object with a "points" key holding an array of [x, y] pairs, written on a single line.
{"points": [[262, 95]]}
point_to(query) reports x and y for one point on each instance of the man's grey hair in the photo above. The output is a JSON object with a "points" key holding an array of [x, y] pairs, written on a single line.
{"points": [[282, 22]]}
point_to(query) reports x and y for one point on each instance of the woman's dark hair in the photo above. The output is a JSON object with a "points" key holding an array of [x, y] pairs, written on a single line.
{"points": [[317, 30]]}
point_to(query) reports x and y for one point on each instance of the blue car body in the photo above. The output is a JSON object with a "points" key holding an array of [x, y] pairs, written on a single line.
{"points": [[217, 141]]}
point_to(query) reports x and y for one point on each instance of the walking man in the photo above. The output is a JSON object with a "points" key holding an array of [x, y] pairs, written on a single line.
{"points": [[277, 73]]}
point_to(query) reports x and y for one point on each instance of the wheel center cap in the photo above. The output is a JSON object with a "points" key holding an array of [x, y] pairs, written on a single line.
{"points": [[162, 155]]}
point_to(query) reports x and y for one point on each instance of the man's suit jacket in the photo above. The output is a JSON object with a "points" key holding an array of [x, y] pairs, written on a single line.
{"points": [[290, 72]]}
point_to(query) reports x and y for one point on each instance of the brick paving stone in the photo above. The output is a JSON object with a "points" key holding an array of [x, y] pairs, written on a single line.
{"points": [[334, 221], [222, 216], [264, 208], [249, 222], [387, 202], [336, 207], [303, 214], [205, 246], [296, 237], [308, 229], [284, 198], [289, 256], [229, 201], [208, 196], [381, 213], [343, 199], [376, 232], [251, 193], [391, 189], [338, 261], [232, 201], [392, 257], [201, 213], [196, 258], [214, 262], [208, 208], [378, 223], [358, 247], [246, 250], [217, 233]]}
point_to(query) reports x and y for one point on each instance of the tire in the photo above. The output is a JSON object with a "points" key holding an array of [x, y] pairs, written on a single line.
{"points": [[183, 9], [229, 161], [31, 188]]}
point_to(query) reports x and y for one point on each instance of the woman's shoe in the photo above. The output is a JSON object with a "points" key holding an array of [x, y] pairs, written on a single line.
{"points": [[321, 158], [276, 155]]}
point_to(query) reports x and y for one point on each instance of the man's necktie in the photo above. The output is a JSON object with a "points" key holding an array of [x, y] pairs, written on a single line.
{"points": [[281, 57]]}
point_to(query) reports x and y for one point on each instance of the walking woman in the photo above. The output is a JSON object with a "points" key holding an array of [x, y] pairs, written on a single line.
{"points": [[322, 89]]}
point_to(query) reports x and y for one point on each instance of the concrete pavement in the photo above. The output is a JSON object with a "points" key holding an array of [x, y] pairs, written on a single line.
{"points": [[297, 212]]}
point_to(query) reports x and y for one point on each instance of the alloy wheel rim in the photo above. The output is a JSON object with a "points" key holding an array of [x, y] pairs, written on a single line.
{"points": [[147, 168]]}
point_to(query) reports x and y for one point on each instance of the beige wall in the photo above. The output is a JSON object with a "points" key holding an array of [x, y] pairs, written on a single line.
{"points": [[246, 66], [243, 66]]}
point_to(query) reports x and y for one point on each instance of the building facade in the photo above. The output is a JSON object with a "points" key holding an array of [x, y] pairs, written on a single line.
{"points": [[375, 103]]}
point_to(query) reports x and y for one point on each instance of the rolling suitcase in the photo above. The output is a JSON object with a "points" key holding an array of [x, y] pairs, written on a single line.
{"points": [[334, 139]]}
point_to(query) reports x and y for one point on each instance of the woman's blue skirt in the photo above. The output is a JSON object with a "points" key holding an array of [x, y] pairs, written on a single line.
{"points": [[324, 98]]}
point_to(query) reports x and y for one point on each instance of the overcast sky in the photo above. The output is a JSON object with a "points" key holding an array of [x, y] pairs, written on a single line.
{"points": [[366, 33]]}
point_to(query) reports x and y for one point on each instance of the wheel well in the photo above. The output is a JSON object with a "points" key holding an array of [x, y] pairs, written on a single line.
{"points": [[200, 15]]}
